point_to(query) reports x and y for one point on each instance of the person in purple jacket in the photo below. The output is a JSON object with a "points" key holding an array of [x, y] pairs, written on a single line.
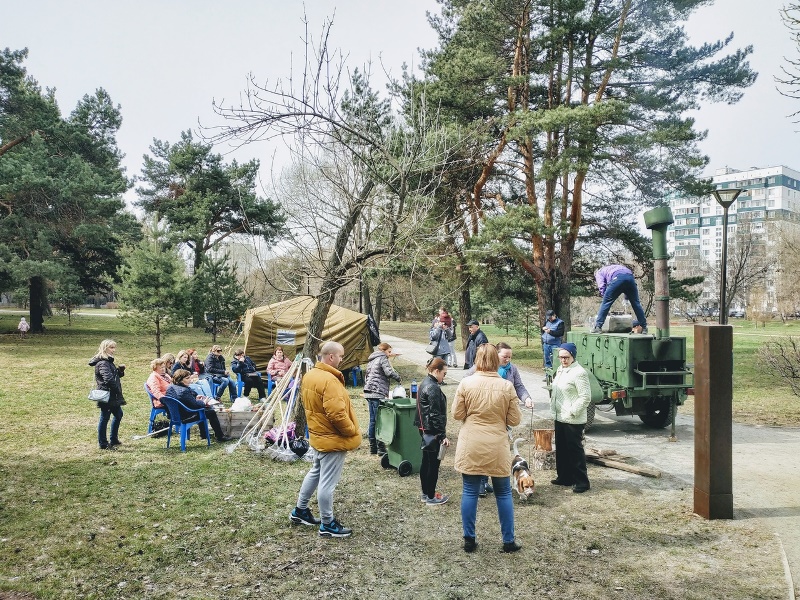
{"points": [[613, 281]]}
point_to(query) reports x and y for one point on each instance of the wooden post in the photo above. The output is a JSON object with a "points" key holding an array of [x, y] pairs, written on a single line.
{"points": [[713, 421]]}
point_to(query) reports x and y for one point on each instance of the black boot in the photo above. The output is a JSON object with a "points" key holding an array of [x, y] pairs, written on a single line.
{"points": [[381, 448], [373, 446]]}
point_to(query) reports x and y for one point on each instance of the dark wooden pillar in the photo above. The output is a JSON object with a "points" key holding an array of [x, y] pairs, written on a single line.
{"points": [[713, 421]]}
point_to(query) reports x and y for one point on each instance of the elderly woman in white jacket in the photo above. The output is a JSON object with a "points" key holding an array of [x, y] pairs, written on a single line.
{"points": [[486, 404], [570, 395]]}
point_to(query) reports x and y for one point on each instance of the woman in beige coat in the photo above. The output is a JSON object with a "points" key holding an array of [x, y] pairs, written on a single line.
{"points": [[486, 404]]}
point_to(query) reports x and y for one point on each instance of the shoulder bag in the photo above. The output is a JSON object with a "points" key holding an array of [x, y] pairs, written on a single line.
{"points": [[100, 396], [429, 440]]}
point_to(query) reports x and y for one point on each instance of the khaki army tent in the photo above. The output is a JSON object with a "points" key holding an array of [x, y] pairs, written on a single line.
{"points": [[284, 324]]}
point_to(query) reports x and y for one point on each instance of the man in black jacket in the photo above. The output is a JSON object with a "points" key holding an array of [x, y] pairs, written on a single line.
{"points": [[476, 338]]}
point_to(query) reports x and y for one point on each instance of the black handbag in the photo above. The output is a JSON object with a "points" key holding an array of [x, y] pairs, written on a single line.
{"points": [[429, 442]]}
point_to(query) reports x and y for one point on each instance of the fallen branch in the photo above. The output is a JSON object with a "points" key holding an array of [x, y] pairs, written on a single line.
{"points": [[616, 464]]}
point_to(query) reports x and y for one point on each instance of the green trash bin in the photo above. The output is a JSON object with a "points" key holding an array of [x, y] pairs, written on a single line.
{"points": [[394, 426]]}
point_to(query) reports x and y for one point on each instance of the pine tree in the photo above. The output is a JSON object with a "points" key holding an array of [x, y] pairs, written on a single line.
{"points": [[216, 289], [154, 291]]}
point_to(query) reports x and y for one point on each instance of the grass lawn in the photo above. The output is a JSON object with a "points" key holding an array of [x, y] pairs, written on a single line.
{"points": [[144, 522]]}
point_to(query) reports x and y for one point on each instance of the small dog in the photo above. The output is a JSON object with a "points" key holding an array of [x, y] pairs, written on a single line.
{"points": [[523, 481]]}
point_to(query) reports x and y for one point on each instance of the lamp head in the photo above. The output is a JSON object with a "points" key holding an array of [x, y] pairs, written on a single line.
{"points": [[726, 197]]}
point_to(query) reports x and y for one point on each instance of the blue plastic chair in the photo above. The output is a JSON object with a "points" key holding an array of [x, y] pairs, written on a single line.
{"points": [[154, 412], [176, 407]]}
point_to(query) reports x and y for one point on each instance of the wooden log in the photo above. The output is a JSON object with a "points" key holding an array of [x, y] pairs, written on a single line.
{"points": [[615, 464]]}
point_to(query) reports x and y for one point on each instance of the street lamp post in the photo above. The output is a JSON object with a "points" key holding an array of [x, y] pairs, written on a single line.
{"points": [[725, 198]]}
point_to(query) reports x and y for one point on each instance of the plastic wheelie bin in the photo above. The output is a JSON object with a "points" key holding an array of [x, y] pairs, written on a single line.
{"points": [[394, 426]]}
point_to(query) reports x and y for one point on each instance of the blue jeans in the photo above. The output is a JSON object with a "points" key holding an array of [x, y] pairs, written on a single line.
{"points": [[621, 284], [373, 415], [548, 355], [102, 426], [502, 496], [221, 381]]}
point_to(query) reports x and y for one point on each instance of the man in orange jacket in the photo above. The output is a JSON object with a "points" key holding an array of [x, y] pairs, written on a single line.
{"points": [[333, 430]]}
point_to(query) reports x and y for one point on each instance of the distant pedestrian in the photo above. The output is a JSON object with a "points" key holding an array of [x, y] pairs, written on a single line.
{"points": [[333, 430], [23, 328], [476, 339], [612, 282], [552, 332], [107, 377], [438, 336], [450, 325]]}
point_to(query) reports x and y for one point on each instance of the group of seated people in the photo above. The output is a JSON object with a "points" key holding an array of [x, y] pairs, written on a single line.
{"points": [[185, 377]]}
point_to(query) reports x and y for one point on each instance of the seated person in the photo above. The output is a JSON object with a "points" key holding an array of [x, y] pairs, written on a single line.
{"points": [[196, 365], [184, 394], [169, 361], [215, 368], [201, 386], [158, 381], [278, 365], [246, 369], [182, 361]]}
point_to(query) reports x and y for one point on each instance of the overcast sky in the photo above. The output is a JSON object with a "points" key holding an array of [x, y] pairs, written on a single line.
{"points": [[164, 61]]}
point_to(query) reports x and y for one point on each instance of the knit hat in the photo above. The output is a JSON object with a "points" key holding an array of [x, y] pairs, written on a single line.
{"points": [[571, 348], [473, 322], [549, 313]]}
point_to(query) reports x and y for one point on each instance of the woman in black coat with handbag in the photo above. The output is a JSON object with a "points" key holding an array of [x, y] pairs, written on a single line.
{"points": [[107, 377], [431, 419]]}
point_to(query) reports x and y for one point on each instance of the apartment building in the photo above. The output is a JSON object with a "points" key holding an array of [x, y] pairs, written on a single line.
{"points": [[768, 205]]}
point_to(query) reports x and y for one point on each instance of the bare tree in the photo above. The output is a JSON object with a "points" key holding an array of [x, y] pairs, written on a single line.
{"points": [[790, 81], [749, 264], [787, 271], [782, 359], [329, 113]]}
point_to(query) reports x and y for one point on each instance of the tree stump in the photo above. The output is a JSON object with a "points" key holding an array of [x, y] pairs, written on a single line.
{"points": [[543, 439], [544, 457]]}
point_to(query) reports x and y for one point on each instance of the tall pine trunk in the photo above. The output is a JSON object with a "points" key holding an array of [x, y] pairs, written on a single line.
{"points": [[38, 303]]}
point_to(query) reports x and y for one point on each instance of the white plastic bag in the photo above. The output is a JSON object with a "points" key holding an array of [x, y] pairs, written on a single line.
{"points": [[399, 392], [241, 404]]}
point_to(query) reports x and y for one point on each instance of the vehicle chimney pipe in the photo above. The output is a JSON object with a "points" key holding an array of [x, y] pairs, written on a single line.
{"points": [[657, 220]]}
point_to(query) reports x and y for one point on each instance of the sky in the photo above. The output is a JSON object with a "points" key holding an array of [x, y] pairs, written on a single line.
{"points": [[165, 61]]}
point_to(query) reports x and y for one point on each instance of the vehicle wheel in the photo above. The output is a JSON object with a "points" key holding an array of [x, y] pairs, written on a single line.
{"points": [[385, 461], [658, 415], [404, 469], [589, 416]]}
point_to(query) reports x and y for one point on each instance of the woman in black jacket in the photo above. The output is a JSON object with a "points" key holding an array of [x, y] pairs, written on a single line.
{"points": [[188, 397], [106, 377], [431, 418], [215, 369]]}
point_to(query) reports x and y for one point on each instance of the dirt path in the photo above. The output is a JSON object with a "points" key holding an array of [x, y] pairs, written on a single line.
{"points": [[766, 460]]}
